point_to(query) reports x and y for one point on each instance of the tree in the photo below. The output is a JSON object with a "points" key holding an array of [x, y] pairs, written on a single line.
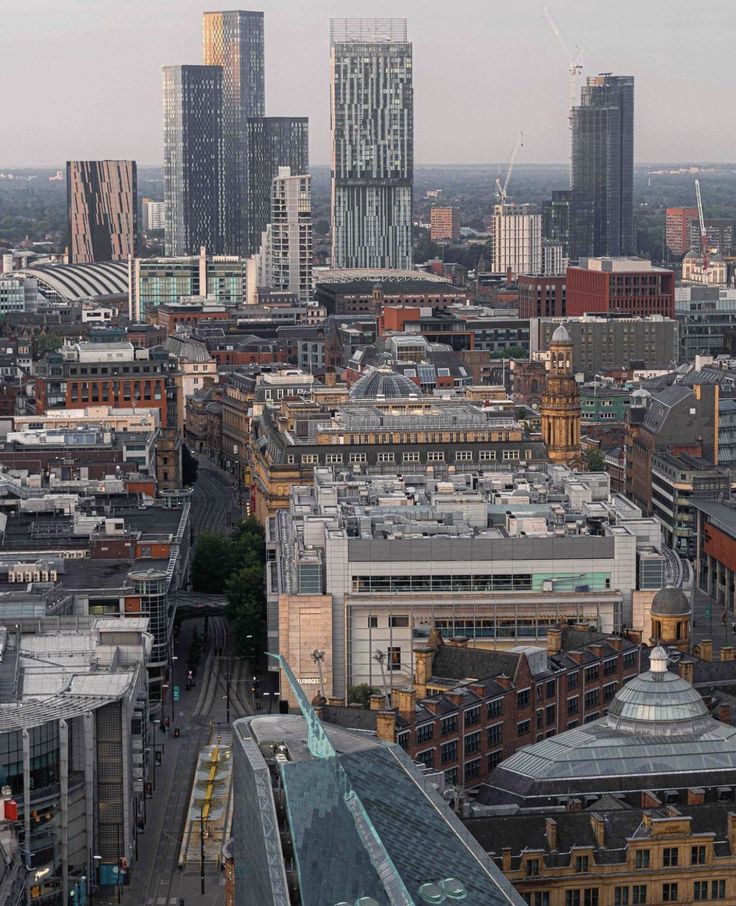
{"points": [[46, 342], [189, 466], [594, 460], [246, 605], [360, 694], [212, 563]]}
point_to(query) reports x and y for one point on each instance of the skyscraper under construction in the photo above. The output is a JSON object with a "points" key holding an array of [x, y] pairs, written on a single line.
{"points": [[603, 165]]}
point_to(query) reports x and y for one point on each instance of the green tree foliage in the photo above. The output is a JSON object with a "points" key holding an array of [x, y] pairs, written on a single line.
{"points": [[360, 694], [235, 565], [46, 342], [212, 563], [594, 460]]}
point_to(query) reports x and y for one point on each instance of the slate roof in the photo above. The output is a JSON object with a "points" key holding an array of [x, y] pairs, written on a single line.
{"points": [[458, 663]]}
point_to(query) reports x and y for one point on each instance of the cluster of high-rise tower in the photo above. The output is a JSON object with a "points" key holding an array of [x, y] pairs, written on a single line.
{"points": [[222, 153]]}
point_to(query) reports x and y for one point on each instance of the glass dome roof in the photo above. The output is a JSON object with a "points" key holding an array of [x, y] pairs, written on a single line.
{"points": [[383, 383]]}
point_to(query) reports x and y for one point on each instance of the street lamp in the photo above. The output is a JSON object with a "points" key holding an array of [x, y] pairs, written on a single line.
{"points": [[95, 879]]}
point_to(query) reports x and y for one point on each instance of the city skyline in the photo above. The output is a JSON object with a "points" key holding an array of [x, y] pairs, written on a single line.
{"points": [[462, 74]]}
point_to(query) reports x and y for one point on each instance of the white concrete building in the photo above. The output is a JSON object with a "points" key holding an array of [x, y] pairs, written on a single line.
{"points": [[289, 240], [365, 567], [154, 215], [517, 239]]}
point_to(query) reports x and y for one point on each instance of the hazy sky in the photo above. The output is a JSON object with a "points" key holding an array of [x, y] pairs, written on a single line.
{"points": [[82, 78]]}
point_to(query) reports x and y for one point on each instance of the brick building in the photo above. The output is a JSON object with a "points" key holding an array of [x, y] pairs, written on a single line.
{"points": [[677, 229], [444, 224], [630, 286], [542, 297], [470, 708]]}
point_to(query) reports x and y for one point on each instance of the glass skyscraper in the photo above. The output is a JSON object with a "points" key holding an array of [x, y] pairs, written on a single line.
{"points": [[193, 177], [603, 164], [102, 210], [372, 121], [273, 142], [234, 41]]}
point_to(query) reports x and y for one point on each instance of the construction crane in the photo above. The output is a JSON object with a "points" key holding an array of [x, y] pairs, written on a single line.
{"points": [[575, 63], [501, 189], [703, 231]]}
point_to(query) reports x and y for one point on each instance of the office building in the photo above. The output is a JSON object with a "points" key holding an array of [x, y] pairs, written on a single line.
{"points": [[193, 159], [707, 319], [289, 235], [17, 293], [154, 215], [385, 425], [102, 207], [444, 224], [357, 292], [679, 419], [73, 727], [627, 286], [153, 282], [324, 815], [366, 563], [553, 261], [676, 480], [541, 296], [603, 161], [603, 343], [517, 239], [372, 143], [110, 374], [677, 229], [273, 142], [233, 41]]}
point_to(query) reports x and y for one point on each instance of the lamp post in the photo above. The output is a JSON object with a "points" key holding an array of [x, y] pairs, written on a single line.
{"points": [[95, 872], [171, 680]]}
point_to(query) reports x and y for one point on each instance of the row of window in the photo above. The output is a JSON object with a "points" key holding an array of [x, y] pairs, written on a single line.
{"points": [[334, 459]]}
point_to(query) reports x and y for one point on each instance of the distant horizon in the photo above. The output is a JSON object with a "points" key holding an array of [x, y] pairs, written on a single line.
{"points": [[478, 164]]}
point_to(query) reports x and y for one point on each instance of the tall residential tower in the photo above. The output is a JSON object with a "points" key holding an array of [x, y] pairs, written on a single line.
{"points": [[102, 210], [233, 40], [273, 142], [193, 159], [603, 163], [372, 121]]}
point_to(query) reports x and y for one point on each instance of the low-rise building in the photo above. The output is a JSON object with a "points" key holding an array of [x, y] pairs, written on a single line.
{"points": [[386, 425], [470, 707], [628, 286], [601, 343]]}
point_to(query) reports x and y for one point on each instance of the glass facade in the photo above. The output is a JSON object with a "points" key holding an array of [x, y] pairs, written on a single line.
{"points": [[234, 41], [193, 159], [152, 586], [603, 163], [372, 121], [273, 142]]}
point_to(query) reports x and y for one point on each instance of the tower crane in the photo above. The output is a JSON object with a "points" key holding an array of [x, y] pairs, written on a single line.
{"points": [[703, 231], [575, 63], [501, 188]]}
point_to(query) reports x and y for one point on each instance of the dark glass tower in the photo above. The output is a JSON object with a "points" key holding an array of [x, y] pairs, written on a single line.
{"points": [[102, 210], [273, 142], [234, 41], [603, 162], [372, 120], [193, 159]]}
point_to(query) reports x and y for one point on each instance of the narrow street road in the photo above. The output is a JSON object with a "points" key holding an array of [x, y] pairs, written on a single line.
{"points": [[215, 506]]}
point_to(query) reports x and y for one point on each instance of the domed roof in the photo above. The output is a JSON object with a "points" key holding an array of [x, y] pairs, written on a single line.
{"points": [[670, 602], [383, 382], [561, 335], [658, 703]]}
